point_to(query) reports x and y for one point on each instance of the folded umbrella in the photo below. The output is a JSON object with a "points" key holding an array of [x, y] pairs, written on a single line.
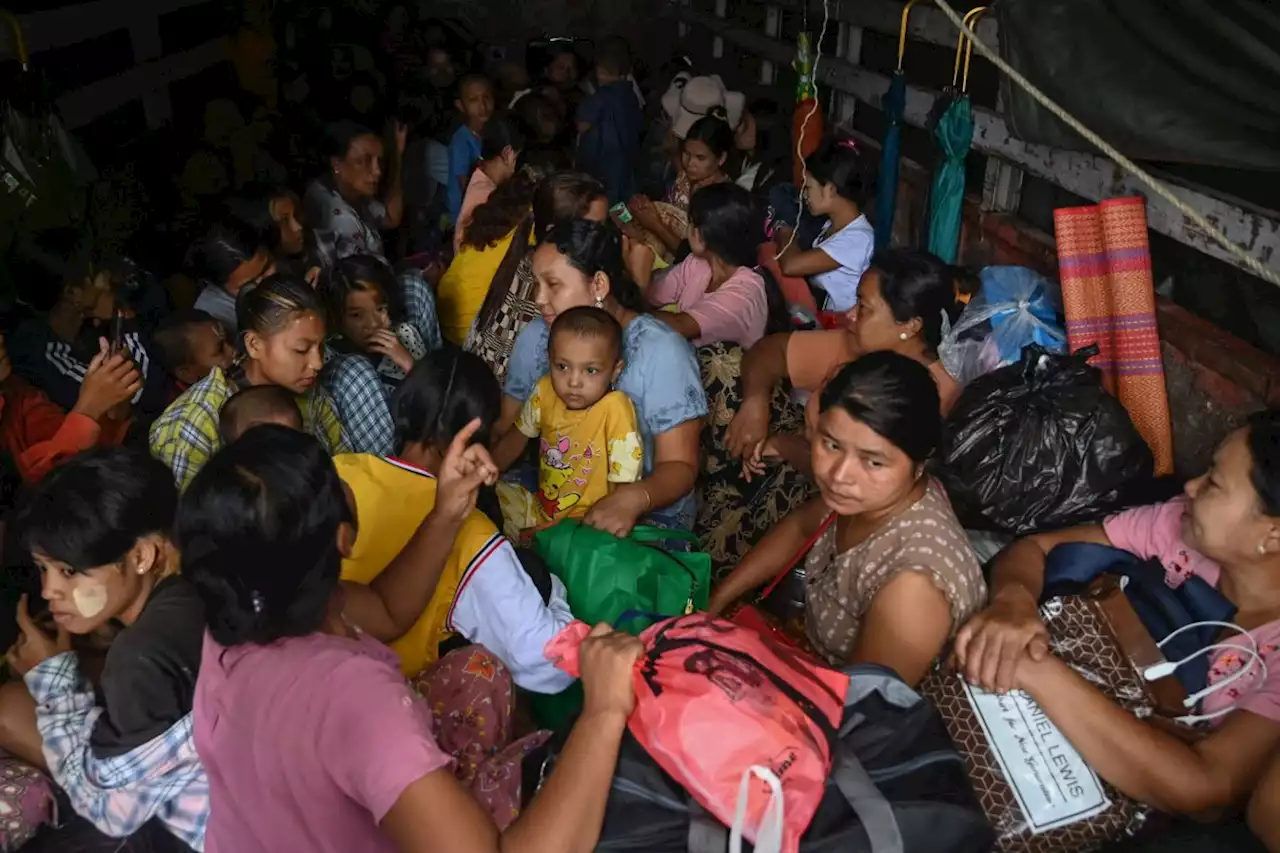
{"points": [[954, 134]]}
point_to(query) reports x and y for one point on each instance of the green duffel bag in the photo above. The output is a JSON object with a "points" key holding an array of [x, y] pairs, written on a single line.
{"points": [[627, 583]]}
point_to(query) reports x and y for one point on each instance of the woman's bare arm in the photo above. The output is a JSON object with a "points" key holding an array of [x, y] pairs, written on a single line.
{"points": [[905, 627], [685, 326], [990, 645], [764, 561], [797, 261], [436, 815], [1147, 763]]}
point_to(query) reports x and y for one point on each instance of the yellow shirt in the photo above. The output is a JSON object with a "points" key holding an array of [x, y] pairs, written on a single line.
{"points": [[392, 499], [581, 453], [465, 285]]}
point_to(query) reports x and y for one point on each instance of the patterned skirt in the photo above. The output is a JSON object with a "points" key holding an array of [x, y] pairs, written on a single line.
{"points": [[472, 700], [733, 514]]}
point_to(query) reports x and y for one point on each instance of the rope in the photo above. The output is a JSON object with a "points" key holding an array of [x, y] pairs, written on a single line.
{"points": [[817, 57], [1249, 261]]}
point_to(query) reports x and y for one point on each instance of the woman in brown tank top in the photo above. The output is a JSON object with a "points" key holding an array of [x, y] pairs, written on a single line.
{"points": [[893, 576]]}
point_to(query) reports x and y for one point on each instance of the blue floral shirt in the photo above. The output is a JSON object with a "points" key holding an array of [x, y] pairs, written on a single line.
{"points": [[661, 377]]}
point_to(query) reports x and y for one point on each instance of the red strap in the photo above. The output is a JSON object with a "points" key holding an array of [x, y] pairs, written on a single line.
{"points": [[822, 528]]}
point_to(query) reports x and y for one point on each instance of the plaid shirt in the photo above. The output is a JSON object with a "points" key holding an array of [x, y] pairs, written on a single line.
{"points": [[420, 309], [163, 778], [186, 435], [359, 392], [362, 401]]}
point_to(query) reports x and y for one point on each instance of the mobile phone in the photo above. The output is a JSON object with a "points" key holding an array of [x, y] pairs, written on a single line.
{"points": [[621, 211], [117, 332]]}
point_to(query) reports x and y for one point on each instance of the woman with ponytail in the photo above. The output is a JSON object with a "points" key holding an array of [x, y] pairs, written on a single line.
{"points": [[281, 343], [580, 263], [488, 236], [501, 144]]}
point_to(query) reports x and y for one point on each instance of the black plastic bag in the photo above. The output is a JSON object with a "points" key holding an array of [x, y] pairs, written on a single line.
{"points": [[1040, 445]]}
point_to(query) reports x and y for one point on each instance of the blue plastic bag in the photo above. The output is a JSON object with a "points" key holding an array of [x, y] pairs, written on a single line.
{"points": [[1016, 307]]}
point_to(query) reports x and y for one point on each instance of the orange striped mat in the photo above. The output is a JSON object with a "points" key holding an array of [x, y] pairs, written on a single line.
{"points": [[1109, 296]]}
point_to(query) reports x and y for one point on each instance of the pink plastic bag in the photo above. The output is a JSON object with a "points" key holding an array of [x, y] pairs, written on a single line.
{"points": [[715, 702]]}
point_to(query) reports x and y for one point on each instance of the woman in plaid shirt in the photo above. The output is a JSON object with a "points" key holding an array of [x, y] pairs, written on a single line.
{"points": [[282, 341]]}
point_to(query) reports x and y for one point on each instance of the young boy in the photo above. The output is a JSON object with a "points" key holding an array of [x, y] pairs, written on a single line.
{"points": [[190, 345], [611, 123], [255, 405], [39, 435], [589, 435], [475, 102]]}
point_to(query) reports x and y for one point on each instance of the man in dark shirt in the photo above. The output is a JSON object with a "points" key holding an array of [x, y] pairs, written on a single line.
{"points": [[611, 122]]}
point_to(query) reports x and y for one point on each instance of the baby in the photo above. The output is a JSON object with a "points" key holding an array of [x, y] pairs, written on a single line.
{"points": [[588, 435], [257, 404]]}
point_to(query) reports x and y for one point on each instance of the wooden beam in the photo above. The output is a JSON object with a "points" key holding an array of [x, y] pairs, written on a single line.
{"points": [[927, 24], [72, 24], [83, 105], [1255, 229], [1001, 181]]}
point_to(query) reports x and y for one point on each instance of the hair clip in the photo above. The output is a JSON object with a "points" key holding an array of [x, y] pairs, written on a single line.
{"points": [[850, 143], [259, 603]]}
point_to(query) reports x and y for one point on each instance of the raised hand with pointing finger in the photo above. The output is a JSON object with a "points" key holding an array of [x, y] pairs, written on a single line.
{"points": [[466, 467]]}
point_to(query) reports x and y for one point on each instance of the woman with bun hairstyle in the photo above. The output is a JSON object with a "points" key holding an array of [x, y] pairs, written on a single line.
{"points": [[835, 189], [580, 263], [892, 575], [311, 737], [281, 343]]}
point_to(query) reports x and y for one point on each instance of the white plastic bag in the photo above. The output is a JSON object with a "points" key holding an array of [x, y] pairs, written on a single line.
{"points": [[1015, 307]]}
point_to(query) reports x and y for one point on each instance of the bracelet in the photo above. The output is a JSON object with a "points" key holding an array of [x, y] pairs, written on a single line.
{"points": [[648, 499]]}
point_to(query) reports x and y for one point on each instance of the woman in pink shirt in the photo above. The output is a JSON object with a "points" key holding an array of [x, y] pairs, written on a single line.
{"points": [[719, 294], [310, 737], [1226, 530]]}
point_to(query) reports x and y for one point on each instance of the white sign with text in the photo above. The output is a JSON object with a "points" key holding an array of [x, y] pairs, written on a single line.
{"points": [[1053, 784]]}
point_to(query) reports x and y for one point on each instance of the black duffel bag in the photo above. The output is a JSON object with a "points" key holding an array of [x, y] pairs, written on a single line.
{"points": [[899, 786]]}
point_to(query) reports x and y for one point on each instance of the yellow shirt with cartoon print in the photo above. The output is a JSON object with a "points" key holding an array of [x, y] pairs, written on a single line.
{"points": [[581, 454]]}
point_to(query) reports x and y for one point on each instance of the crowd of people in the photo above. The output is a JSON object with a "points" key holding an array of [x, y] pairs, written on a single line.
{"points": [[271, 543]]}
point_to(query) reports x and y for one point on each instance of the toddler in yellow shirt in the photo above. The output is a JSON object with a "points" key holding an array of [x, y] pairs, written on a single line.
{"points": [[588, 435]]}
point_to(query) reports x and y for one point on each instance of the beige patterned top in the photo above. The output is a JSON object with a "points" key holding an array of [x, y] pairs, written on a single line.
{"points": [[927, 537]]}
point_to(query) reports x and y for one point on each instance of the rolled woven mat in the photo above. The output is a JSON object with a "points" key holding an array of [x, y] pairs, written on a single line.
{"points": [[1109, 297]]}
